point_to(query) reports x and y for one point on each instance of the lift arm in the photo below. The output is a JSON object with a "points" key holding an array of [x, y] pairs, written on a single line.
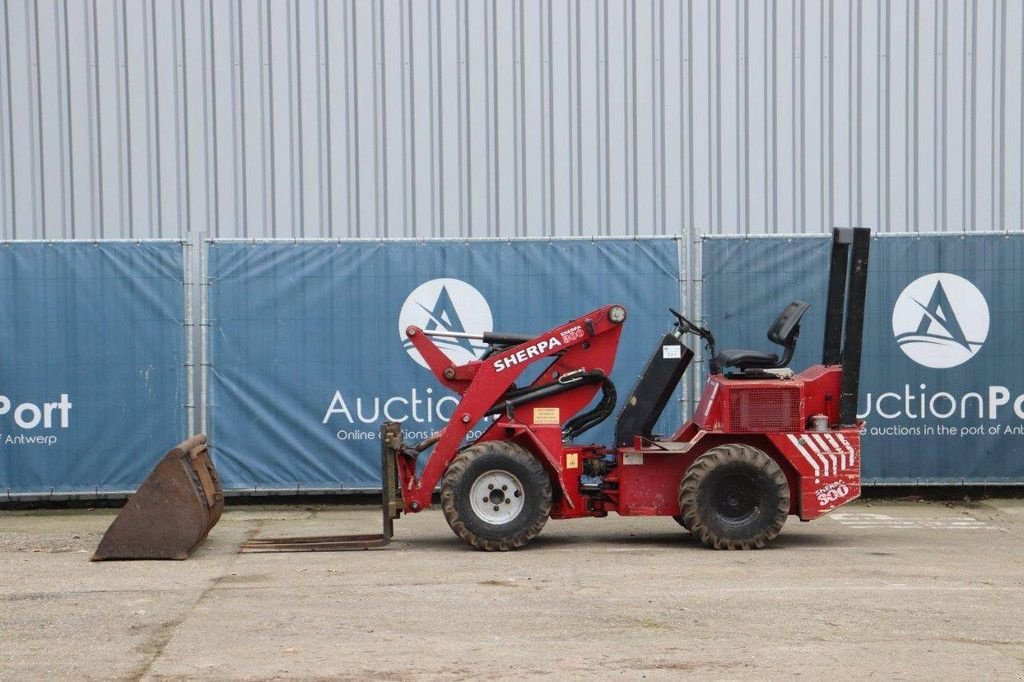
{"points": [[585, 345]]}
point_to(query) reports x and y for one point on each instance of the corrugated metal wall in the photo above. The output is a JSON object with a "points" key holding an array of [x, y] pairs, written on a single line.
{"points": [[473, 118]]}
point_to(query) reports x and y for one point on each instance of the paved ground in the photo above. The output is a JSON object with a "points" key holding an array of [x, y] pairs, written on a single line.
{"points": [[885, 590]]}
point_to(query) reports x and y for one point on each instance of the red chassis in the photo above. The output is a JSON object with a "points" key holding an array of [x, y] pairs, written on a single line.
{"points": [[822, 466]]}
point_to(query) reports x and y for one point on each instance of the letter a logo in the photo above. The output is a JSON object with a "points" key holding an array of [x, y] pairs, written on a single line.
{"points": [[940, 320], [450, 305]]}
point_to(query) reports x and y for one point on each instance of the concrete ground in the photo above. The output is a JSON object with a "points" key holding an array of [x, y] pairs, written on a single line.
{"points": [[885, 590]]}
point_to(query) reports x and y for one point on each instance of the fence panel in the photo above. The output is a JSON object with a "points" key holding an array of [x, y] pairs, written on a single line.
{"points": [[93, 383], [306, 344]]}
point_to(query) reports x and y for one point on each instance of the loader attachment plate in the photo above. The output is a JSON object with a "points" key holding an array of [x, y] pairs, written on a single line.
{"points": [[391, 495], [171, 512]]}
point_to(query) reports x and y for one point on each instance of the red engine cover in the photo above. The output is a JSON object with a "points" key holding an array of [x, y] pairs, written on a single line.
{"points": [[768, 405]]}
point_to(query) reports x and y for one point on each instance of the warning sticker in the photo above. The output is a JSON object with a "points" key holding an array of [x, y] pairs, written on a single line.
{"points": [[572, 460], [671, 352], [632, 458], [547, 415]]}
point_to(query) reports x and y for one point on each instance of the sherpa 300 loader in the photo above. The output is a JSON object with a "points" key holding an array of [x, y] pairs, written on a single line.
{"points": [[764, 442]]}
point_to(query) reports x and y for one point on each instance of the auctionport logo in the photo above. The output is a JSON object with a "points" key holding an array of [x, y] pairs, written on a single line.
{"points": [[449, 305], [940, 320]]}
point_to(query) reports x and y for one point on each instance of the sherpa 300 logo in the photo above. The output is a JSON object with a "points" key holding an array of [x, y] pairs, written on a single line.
{"points": [[450, 305], [940, 320]]}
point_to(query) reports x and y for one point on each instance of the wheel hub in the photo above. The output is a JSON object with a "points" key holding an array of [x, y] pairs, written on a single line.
{"points": [[736, 498], [496, 497]]}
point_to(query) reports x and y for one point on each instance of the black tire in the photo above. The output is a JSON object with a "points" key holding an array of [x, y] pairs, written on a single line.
{"points": [[734, 497], [520, 511]]}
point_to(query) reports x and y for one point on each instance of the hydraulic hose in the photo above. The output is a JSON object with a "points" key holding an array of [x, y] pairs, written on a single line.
{"points": [[588, 420]]}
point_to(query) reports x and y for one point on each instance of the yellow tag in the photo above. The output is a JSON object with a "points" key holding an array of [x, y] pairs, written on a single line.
{"points": [[546, 415], [572, 460]]}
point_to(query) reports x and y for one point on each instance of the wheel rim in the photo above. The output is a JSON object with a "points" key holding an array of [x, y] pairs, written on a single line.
{"points": [[735, 499], [497, 497]]}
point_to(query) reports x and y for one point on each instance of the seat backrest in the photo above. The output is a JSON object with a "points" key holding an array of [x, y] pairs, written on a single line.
{"points": [[787, 325]]}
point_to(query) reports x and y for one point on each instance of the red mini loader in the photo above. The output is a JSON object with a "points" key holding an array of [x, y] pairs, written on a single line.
{"points": [[763, 443]]}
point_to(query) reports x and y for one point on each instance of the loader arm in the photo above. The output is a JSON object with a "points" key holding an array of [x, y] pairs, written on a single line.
{"points": [[579, 350]]}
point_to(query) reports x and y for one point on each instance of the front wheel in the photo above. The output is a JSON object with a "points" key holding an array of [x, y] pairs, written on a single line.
{"points": [[496, 496], [734, 497]]}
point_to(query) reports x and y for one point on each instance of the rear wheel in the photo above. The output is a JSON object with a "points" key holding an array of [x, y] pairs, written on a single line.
{"points": [[734, 497], [496, 496]]}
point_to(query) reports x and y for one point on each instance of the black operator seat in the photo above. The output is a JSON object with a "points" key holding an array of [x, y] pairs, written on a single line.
{"points": [[784, 332]]}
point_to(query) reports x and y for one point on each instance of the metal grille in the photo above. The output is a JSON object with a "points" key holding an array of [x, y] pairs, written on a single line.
{"points": [[764, 409]]}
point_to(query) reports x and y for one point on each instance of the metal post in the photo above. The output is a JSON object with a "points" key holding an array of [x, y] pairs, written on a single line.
{"points": [[697, 313], [188, 282], [685, 395], [204, 326]]}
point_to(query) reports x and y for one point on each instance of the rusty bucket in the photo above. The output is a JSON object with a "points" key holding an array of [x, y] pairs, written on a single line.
{"points": [[171, 512]]}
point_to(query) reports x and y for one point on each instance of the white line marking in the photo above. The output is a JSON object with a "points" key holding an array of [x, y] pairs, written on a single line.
{"points": [[929, 523], [865, 521], [912, 527]]}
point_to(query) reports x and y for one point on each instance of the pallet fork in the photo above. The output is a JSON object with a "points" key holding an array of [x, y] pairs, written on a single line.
{"points": [[391, 446]]}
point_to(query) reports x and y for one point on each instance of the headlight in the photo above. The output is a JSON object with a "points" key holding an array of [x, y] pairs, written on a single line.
{"points": [[617, 314]]}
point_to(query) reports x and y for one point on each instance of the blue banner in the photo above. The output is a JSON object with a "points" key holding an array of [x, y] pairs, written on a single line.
{"points": [[92, 373], [942, 388], [308, 354]]}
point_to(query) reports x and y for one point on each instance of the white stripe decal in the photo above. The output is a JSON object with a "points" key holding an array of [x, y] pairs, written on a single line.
{"points": [[853, 453], [711, 400], [837, 448], [813, 446], [828, 451], [796, 443]]}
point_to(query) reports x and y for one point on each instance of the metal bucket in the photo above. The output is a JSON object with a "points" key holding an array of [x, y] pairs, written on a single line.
{"points": [[171, 512]]}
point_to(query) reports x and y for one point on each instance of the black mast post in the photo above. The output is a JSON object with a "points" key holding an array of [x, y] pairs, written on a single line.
{"points": [[854, 323], [835, 307]]}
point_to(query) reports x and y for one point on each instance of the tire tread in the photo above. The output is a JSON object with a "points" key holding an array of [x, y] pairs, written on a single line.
{"points": [[457, 470], [702, 467]]}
